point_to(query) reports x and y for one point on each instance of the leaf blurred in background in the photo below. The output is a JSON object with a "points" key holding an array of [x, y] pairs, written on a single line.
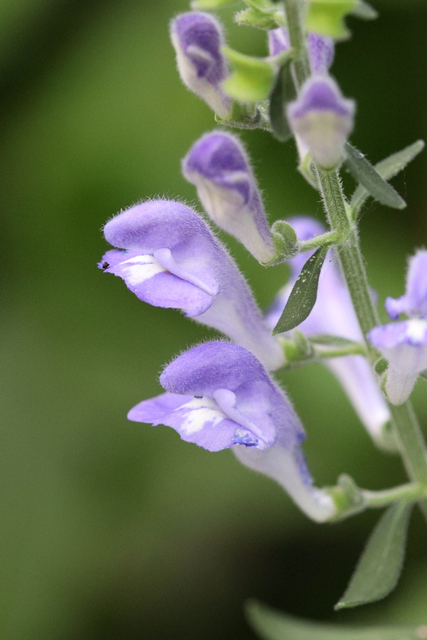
{"points": [[112, 529]]}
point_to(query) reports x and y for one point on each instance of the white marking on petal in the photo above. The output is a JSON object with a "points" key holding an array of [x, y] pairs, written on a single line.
{"points": [[200, 411], [416, 330], [138, 269]]}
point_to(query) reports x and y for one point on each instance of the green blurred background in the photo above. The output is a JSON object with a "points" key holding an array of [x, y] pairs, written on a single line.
{"points": [[111, 529]]}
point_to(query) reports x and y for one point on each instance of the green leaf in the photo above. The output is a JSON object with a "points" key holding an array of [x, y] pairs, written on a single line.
{"points": [[368, 176], [273, 625], [380, 565], [252, 78], [387, 169], [423, 374], [364, 11], [327, 17], [304, 294], [209, 4], [282, 93]]}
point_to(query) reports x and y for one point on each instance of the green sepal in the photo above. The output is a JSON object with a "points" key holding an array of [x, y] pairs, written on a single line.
{"points": [[380, 565], [364, 11], [326, 17], [347, 497], [270, 624], [380, 366], [285, 241], [282, 93], [204, 5], [245, 116], [387, 169], [252, 78], [304, 294], [368, 176], [264, 20]]}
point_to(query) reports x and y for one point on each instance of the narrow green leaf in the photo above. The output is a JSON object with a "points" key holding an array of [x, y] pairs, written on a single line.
{"points": [[304, 294], [252, 78], [380, 565], [282, 93], [387, 169], [274, 625], [331, 341], [209, 4], [368, 176], [327, 17], [364, 11]]}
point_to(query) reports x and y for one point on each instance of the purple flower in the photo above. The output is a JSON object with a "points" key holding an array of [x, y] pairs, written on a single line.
{"points": [[322, 119], [172, 260], [220, 396], [219, 167], [333, 314], [404, 345], [320, 48], [414, 302], [197, 39]]}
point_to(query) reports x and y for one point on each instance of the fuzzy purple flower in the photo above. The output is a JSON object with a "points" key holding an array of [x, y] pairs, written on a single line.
{"points": [[414, 302], [219, 167], [320, 48], [169, 258], [322, 119], [219, 396], [404, 344], [333, 314], [197, 39]]}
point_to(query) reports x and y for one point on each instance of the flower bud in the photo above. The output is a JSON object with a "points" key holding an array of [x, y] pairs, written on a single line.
{"points": [[322, 119], [197, 39], [218, 166]]}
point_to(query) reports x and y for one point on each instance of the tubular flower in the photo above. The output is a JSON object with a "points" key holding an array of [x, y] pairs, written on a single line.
{"points": [[320, 48], [404, 344], [219, 167], [333, 313], [197, 39], [169, 258], [322, 119], [219, 396]]}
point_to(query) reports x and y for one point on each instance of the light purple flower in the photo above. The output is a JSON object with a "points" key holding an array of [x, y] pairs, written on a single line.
{"points": [[414, 302], [333, 314], [320, 48], [172, 260], [219, 167], [322, 119], [404, 345], [220, 396], [197, 39]]}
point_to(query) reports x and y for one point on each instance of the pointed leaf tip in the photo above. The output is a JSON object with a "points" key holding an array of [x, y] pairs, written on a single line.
{"points": [[380, 565], [304, 294]]}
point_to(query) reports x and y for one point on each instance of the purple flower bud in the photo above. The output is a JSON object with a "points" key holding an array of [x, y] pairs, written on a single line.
{"points": [[320, 48], [404, 345], [172, 260], [333, 314], [197, 39], [323, 119], [414, 302], [218, 166], [220, 396]]}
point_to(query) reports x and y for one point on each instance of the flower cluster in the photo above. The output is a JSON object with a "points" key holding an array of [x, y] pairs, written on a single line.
{"points": [[220, 394]]}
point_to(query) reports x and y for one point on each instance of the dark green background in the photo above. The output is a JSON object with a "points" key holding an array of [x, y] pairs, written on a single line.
{"points": [[111, 529]]}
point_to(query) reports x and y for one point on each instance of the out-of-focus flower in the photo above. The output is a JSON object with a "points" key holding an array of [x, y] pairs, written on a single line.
{"points": [[414, 302], [322, 119], [333, 314], [219, 167], [171, 259], [197, 39], [220, 396], [320, 48]]}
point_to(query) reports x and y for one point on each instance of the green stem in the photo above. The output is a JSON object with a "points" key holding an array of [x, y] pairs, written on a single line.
{"points": [[405, 492], [410, 439], [331, 237]]}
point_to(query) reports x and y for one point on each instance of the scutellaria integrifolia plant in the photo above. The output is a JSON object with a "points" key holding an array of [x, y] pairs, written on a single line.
{"points": [[221, 395]]}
